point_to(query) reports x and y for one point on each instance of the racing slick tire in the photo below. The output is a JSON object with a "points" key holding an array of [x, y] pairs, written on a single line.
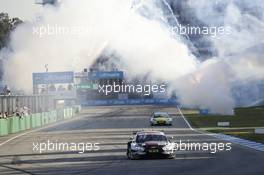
{"points": [[172, 156], [130, 156]]}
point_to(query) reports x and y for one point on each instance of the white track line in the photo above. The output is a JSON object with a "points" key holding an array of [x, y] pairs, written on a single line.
{"points": [[244, 142], [43, 127], [13, 138], [239, 141], [37, 129], [195, 130], [186, 121]]}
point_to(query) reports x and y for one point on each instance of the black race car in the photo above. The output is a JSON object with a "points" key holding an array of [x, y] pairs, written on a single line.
{"points": [[150, 143]]}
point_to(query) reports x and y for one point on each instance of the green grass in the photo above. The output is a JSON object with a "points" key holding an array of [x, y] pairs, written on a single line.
{"points": [[242, 133], [244, 117]]}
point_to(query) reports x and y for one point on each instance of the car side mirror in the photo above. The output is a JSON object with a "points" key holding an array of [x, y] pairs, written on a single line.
{"points": [[131, 138]]}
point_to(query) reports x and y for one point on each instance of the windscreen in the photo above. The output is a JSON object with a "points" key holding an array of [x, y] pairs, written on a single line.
{"points": [[161, 115], [153, 137]]}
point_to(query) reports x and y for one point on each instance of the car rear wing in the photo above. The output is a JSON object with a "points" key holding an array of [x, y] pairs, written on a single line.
{"points": [[135, 132]]}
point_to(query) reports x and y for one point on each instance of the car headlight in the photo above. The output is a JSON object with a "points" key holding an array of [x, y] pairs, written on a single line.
{"points": [[136, 147], [169, 119], [169, 147]]}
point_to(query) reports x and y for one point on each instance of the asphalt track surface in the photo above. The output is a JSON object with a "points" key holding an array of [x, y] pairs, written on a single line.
{"points": [[112, 127]]}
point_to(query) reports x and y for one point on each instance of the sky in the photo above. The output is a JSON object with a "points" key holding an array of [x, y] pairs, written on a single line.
{"points": [[23, 9]]}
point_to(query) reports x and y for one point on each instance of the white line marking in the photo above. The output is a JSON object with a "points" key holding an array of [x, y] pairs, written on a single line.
{"points": [[36, 129], [184, 118], [44, 127], [1, 144], [243, 142]]}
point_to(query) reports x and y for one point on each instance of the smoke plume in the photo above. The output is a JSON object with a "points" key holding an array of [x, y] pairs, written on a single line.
{"points": [[140, 32]]}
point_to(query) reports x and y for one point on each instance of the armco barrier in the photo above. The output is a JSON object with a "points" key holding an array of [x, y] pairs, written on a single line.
{"points": [[67, 113], [55, 116], [15, 124], [44, 118], [77, 109], [64, 113], [52, 117], [33, 120], [28, 121], [71, 112], [48, 117], [22, 124], [38, 119], [60, 114], [4, 123]]}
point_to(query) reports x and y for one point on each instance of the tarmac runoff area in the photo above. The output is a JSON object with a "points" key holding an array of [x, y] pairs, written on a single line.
{"points": [[111, 128]]}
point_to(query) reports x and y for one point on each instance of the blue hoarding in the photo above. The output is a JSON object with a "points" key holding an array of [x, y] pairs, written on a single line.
{"points": [[204, 111], [105, 75], [129, 102], [53, 77]]}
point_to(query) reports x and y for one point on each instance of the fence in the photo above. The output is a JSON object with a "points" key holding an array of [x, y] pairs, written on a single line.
{"points": [[37, 103]]}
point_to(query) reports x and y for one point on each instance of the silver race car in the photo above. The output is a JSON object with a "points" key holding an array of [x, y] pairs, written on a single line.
{"points": [[150, 143]]}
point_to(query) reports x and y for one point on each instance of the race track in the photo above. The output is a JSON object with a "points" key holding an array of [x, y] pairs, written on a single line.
{"points": [[111, 127]]}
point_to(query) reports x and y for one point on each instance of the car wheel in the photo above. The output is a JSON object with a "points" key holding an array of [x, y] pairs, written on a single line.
{"points": [[130, 155], [127, 153], [172, 156]]}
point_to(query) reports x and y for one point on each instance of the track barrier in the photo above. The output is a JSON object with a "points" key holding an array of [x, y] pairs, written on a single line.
{"points": [[17, 124]]}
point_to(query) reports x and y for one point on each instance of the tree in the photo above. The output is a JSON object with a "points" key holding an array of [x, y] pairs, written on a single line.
{"points": [[7, 25]]}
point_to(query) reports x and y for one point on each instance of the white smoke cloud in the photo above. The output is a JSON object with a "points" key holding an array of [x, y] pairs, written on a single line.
{"points": [[209, 84], [208, 87], [141, 42], [247, 23], [143, 39]]}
